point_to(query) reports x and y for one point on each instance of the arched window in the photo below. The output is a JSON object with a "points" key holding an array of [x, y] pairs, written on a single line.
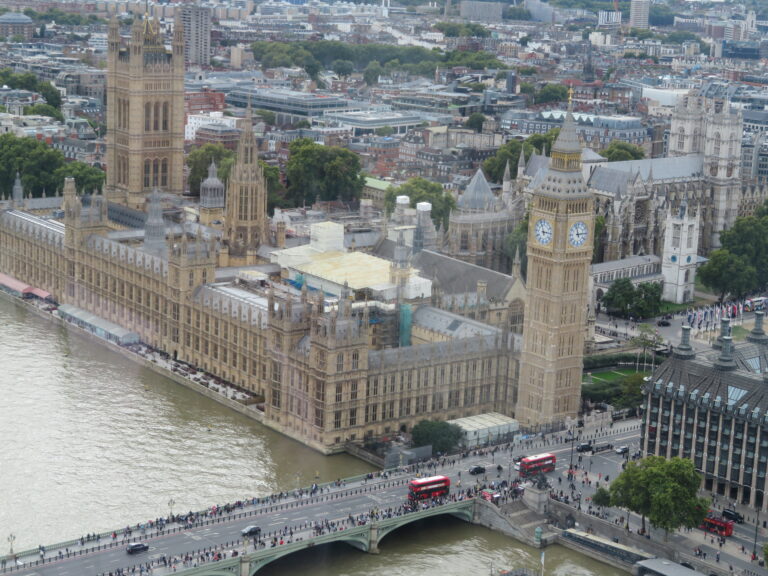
{"points": [[155, 171], [156, 119], [164, 172], [147, 116], [165, 116], [516, 316], [147, 174], [681, 139], [716, 147]]}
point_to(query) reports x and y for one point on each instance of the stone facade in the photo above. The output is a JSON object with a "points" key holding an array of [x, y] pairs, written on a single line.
{"points": [[145, 101]]}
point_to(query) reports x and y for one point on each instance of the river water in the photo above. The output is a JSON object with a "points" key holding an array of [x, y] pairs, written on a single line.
{"points": [[90, 441]]}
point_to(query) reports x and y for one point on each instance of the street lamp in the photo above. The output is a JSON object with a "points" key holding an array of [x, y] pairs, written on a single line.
{"points": [[11, 539], [171, 502], [757, 524]]}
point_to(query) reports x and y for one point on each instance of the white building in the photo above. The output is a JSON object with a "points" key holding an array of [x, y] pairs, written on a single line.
{"points": [[679, 259], [195, 121]]}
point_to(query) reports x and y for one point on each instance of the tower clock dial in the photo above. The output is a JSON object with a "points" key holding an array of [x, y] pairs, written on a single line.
{"points": [[577, 235], [543, 232]]}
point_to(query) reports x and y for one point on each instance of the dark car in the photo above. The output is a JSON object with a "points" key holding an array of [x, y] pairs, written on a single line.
{"points": [[584, 447], [137, 547], [733, 515], [601, 448], [662, 322], [477, 470], [250, 531]]}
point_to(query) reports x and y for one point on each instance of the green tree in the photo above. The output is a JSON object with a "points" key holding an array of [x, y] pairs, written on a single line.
{"points": [[727, 273], [329, 172], [475, 121], [748, 238], [385, 131], [87, 178], [421, 190], [44, 110], [618, 151], [372, 72], [51, 94], [200, 159], [267, 116], [494, 166], [620, 298], [516, 13], [540, 141], [36, 162], [601, 497], [551, 93], [275, 189], [647, 300], [443, 437], [343, 68], [646, 339]]}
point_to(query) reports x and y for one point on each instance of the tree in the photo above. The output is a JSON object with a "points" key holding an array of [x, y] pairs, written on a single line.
{"points": [[601, 497], [44, 110], [620, 297], [551, 93], [200, 159], [343, 68], [748, 239], [330, 172], [646, 338], [475, 121], [727, 273], [443, 437], [303, 123], [36, 162], [385, 131], [539, 141], [618, 151], [51, 94], [267, 116], [372, 72], [421, 190], [664, 490], [87, 178], [509, 153]]}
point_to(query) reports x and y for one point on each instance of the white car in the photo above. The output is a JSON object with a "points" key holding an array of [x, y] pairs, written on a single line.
{"points": [[622, 449]]}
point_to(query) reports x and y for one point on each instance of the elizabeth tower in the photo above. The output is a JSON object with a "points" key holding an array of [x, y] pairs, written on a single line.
{"points": [[145, 113], [560, 241]]}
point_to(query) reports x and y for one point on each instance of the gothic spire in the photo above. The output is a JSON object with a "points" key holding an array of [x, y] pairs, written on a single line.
{"points": [[566, 151]]}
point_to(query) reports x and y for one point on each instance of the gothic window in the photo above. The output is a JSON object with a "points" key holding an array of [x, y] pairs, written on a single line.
{"points": [[355, 360], [687, 276], [147, 174], [696, 139], [165, 116], [156, 117], [464, 241], [689, 239], [716, 148], [164, 172], [676, 236], [681, 139], [155, 171], [339, 362], [516, 316], [147, 116]]}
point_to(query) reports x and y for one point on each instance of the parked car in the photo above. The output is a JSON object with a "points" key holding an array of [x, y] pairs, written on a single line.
{"points": [[733, 515], [622, 449], [474, 470], [250, 531], [662, 322], [137, 547], [601, 448]]}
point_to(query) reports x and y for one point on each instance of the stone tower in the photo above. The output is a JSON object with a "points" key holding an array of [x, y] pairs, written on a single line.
{"points": [[678, 262], [560, 240], [246, 226], [145, 113], [212, 199]]}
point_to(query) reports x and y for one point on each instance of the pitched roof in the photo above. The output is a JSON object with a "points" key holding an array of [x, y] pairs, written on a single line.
{"points": [[478, 195]]}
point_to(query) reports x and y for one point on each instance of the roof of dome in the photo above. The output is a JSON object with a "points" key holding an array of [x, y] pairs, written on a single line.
{"points": [[15, 18]]}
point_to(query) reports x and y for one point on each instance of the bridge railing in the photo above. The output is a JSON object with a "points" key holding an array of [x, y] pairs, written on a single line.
{"points": [[104, 540]]}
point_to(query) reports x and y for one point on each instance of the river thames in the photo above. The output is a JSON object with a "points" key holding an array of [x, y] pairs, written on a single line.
{"points": [[90, 442]]}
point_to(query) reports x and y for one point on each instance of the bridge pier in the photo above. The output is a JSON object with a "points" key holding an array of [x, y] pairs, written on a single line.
{"points": [[373, 539]]}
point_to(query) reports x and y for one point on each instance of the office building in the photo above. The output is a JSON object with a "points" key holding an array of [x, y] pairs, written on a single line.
{"points": [[197, 34]]}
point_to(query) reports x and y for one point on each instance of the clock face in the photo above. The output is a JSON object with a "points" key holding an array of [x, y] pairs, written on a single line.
{"points": [[578, 233], [543, 232]]}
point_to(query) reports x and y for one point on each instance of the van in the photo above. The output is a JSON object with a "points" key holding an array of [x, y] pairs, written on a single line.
{"points": [[733, 515], [601, 448], [584, 447]]}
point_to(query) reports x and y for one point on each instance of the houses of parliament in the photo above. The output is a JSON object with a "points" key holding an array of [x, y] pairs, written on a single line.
{"points": [[342, 345]]}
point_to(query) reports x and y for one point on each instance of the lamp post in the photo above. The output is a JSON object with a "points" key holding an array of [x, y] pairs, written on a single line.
{"points": [[171, 502], [11, 539], [757, 524]]}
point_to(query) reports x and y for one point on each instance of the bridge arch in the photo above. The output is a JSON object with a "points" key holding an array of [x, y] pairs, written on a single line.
{"points": [[388, 526]]}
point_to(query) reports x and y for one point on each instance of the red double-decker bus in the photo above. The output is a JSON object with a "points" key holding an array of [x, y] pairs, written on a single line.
{"points": [[717, 525], [426, 488], [531, 465]]}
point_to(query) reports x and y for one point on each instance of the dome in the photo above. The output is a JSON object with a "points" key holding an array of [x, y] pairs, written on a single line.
{"points": [[15, 18]]}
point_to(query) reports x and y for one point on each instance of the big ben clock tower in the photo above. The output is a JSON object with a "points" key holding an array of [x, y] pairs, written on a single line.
{"points": [[560, 240]]}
